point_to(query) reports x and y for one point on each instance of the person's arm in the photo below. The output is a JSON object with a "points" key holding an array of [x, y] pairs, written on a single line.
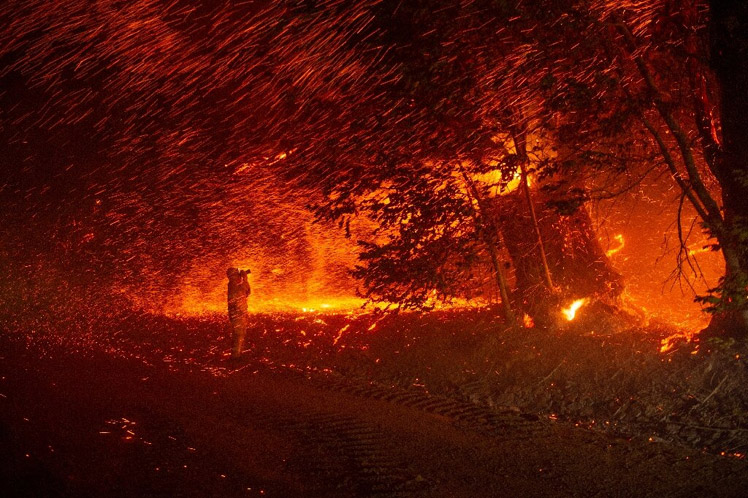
{"points": [[245, 284]]}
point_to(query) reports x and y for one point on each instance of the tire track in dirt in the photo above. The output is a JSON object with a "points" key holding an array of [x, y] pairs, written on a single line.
{"points": [[340, 454], [358, 457], [500, 424]]}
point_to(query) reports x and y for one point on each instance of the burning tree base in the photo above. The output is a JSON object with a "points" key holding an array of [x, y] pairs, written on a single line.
{"points": [[591, 316], [577, 263]]}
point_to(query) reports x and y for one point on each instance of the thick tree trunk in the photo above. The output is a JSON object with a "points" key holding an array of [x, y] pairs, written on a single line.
{"points": [[576, 260], [729, 59]]}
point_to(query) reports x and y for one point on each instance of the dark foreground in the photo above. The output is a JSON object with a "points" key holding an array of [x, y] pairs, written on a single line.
{"points": [[95, 425]]}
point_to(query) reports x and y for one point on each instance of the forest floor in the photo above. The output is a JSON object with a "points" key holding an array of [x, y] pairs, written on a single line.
{"points": [[441, 404]]}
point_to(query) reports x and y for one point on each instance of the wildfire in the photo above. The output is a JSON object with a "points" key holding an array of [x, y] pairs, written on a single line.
{"points": [[616, 249], [571, 311]]}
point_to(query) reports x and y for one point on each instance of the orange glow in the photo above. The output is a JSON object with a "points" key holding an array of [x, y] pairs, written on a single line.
{"points": [[200, 307], [654, 287], [614, 250], [669, 342], [571, 311], [496, 178], [527, 321], [666, 345]]}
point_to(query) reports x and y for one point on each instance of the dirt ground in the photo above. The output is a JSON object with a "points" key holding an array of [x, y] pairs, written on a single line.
{"points": [[157, 410]]}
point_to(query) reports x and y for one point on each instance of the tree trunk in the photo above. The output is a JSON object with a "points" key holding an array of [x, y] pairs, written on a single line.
{"points": [[729, 60], [573, 254]]}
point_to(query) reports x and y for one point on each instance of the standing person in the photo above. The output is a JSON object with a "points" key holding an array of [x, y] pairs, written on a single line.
{"points": [[238, 292]]}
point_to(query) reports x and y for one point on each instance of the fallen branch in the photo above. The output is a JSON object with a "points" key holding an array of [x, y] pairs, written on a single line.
{"points": [[713, 392], [552, 372]]}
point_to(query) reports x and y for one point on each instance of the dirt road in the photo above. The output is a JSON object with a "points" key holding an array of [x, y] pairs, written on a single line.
{"points": [[99, 426]]}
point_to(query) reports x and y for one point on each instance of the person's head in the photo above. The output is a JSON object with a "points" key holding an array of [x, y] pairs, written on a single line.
{"points": [[232, 273]]}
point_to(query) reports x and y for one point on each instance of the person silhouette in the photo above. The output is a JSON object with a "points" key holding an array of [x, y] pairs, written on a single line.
{"points": [[238, 292]]}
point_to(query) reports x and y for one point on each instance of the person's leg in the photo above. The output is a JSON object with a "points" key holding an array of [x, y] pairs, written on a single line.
{"points": [[240, 330]]}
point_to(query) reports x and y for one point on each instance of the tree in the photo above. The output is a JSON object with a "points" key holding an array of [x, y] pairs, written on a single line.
{"points": [[612, 78], [431, 243], [728, 44]]}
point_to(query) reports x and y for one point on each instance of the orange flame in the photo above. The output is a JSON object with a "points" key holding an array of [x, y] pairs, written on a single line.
{"points": [[617, 249], [692, 252], [340, 334], [668, 343], [571, 311]]}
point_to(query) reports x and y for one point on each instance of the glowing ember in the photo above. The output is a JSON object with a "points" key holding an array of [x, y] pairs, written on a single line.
{"points": [[616, 249], [527, 321], [667, 344], [571, 311], [340, 334]]}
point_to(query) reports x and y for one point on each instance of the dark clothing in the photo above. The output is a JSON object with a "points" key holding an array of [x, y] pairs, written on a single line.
{"points": [[238, 292]]}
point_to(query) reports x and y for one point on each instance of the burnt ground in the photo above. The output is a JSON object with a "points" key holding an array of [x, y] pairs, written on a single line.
{"points": [[145, 405]]}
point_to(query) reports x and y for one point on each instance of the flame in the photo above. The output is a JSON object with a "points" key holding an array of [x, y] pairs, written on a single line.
{"points": [[692, 252], [496, 178], [616, 249], [195, 304], [340, 334], [571, 311], [527, 321], [669, 342]]}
